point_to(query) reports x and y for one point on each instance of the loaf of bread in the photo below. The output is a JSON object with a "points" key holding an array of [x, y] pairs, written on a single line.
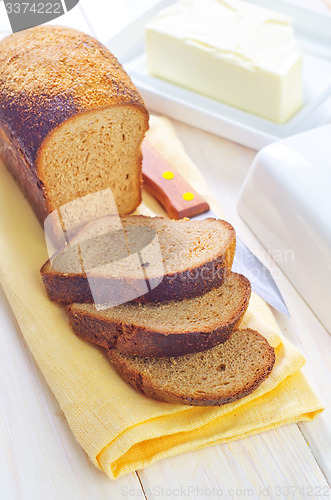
{"points": [[171, 328], [71, 120], [225, 373], [196, 257]]}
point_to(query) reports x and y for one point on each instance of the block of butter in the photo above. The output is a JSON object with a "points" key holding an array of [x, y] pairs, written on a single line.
{"points": [[232, 51]]}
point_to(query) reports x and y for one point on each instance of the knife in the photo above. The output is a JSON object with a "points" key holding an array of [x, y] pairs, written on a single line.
{"points": [[180, 200]]}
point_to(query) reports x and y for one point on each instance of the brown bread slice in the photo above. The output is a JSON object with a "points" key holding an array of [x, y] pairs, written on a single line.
{"points": [[165, 329], [220, 375], [197, 256]]}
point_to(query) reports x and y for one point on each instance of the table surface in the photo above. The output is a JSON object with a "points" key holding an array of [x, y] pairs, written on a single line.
{"points": [[40, 458]]}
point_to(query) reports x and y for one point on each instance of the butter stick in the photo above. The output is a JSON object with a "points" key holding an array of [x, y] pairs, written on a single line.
{"points": [[232, 51]]}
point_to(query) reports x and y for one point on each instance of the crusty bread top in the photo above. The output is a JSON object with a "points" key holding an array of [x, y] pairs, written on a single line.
{"points": [[50, 73], [217, 376]]}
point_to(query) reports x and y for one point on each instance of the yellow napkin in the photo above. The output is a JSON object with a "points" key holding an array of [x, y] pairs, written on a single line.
{"points": [[120, 429]]}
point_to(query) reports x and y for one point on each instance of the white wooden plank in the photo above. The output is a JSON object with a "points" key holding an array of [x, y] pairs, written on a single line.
{"points": [[40, 457], [275, 464], [52, 465], [225, 165], [280, 461], [212, 472], [307, 333], [317, 435]]}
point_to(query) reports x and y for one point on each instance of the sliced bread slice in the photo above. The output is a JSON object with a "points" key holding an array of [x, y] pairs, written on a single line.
{"points": [[214, 377], [165, 329], [195, 257]]}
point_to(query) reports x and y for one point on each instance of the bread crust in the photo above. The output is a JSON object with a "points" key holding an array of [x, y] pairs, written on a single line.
{"points": [[146, 385], [28, 182], [48, 75], [136, 340], [68, 288]]}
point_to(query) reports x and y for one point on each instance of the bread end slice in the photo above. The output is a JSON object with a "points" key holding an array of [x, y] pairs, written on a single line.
{"points": [[223, 374]]}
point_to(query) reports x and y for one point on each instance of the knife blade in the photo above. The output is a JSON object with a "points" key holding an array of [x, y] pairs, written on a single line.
{"points": [[180, 200]]}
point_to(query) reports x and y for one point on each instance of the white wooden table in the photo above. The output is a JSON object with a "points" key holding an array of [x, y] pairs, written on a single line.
{"points": [[40, 458]]}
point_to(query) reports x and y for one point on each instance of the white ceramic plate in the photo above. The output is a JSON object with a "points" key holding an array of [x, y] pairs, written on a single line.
{"points": [[313, 32]]}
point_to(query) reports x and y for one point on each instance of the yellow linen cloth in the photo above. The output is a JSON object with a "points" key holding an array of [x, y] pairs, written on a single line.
{"points": [[120, 429]]}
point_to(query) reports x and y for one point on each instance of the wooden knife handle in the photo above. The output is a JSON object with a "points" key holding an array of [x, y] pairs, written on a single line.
{"points": [[176, 196]]}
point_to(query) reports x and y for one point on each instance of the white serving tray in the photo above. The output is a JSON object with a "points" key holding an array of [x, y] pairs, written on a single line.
{"points": [[313, 32]]}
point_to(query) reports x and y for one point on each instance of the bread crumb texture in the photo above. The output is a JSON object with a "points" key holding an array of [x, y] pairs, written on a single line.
{"points": [[219, 375]]}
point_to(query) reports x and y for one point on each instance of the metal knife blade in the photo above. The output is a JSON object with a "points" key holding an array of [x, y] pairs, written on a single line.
{"points": [[180, 200]]}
